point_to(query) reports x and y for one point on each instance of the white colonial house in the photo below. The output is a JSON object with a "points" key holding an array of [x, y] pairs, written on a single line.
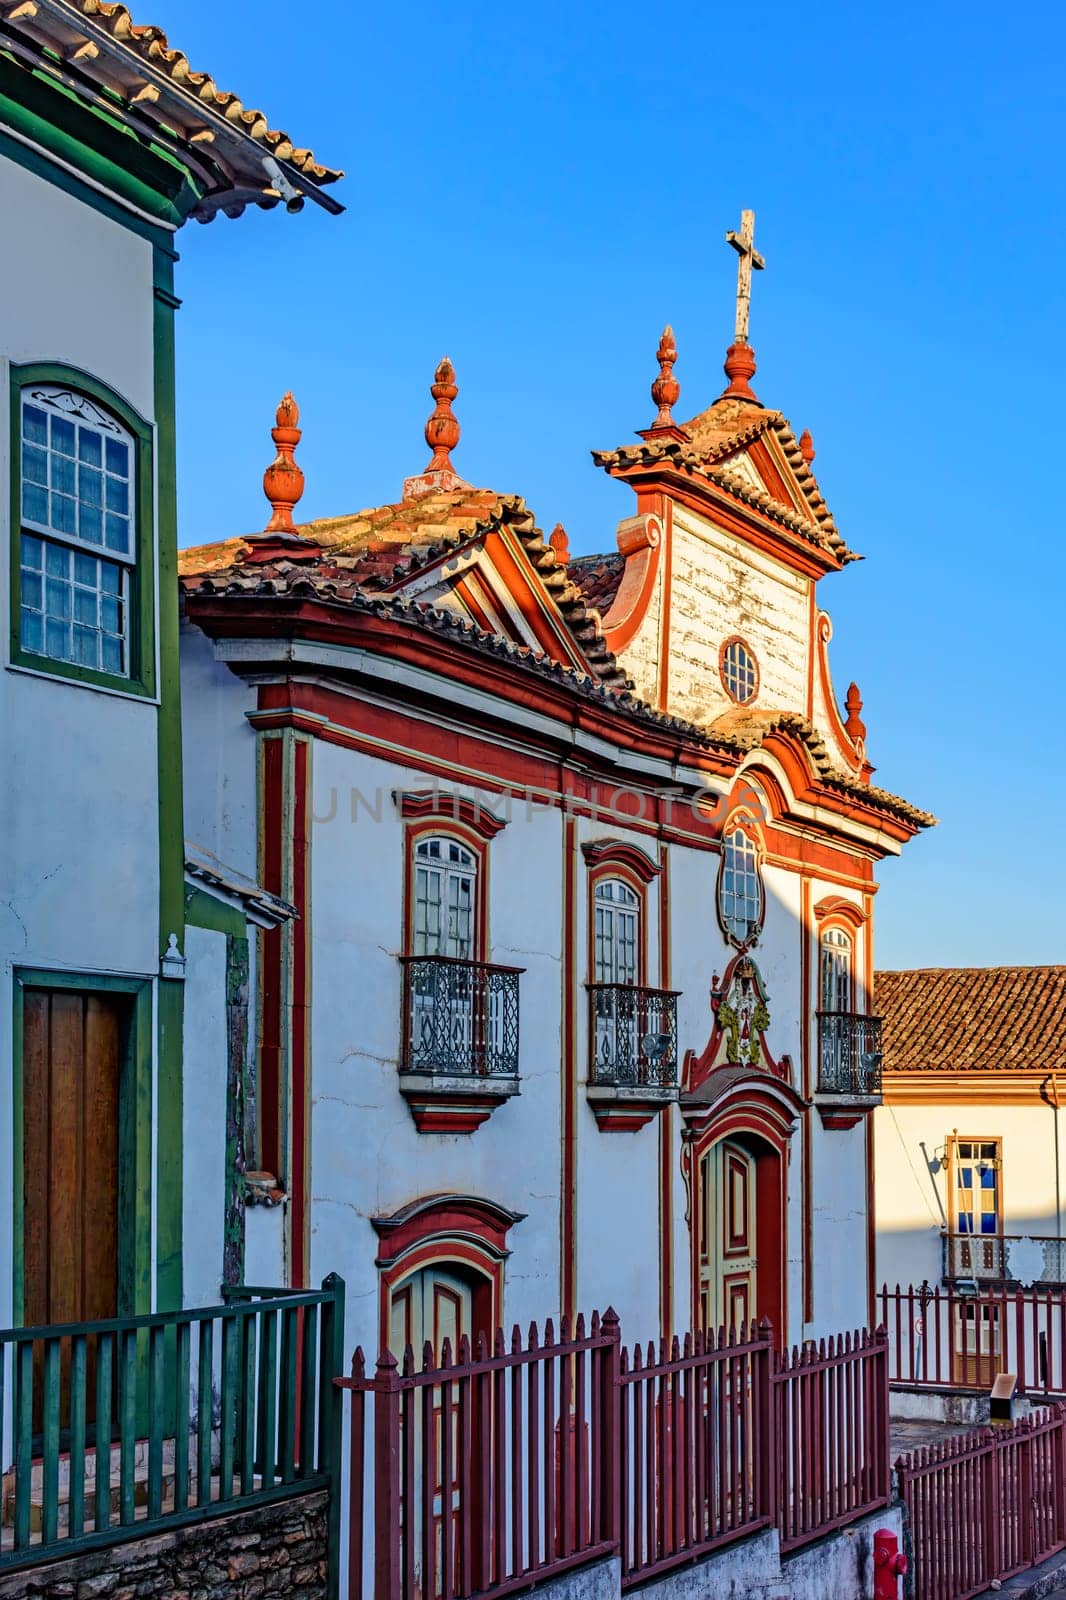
{"points": [[969, 1155], [576, 1006], [108, 144]]}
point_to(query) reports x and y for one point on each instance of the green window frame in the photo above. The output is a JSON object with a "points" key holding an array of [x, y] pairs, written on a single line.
{"points": [[140, 599]]}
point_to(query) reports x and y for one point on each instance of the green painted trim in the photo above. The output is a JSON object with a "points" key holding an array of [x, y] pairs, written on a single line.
{"points": [[96, 143], [170, 1088], [35, 161], [142, 679], [202, 910], [135, 1134]]}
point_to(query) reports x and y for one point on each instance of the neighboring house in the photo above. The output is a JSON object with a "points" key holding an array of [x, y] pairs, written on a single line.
{"points": [[576, 1005], [108, 144], [969, 1159]]}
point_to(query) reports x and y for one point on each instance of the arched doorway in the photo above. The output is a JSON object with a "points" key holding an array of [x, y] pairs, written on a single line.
{"points": [[434, 1304]]}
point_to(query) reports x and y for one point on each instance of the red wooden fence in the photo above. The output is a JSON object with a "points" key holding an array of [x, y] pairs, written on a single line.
{"points": [[985, 1505], [492, 1471], [940, 1339]]}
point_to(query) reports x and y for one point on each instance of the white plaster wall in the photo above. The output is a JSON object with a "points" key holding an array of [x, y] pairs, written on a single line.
{"points": [[908, 1198], [204, 1115], [838, 1158], [219, 755], [78, 806], [720, 587], [367, 1156]]}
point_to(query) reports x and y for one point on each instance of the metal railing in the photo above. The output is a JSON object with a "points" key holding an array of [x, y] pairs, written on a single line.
{"points": [[460, 1017], [119, 1428], [985, 1505], [1005, 1257], [849, 1053], [632, 1036], [961, 1338], [496, 1468]]}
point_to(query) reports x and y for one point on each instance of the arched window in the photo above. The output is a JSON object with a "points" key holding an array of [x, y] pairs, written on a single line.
{"points": [[617, 932], [78, 544], [740, 891], [445, 899], [835, 971]]}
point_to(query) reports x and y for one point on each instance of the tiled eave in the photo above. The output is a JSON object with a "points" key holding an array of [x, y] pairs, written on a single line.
{"points": [[675, 465], [298, 605], [95, 51]]}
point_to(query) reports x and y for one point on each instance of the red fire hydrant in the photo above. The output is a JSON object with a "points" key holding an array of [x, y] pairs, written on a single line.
{"points": [[890, 1564]]}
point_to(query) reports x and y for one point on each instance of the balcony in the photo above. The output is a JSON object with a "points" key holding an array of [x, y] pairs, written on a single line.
{"points": [[632, 1053], [1004, 1258], [460, 1044], [849, 1066]]}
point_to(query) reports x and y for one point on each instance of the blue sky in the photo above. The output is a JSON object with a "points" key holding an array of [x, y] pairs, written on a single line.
{"points": [[535, 190]]}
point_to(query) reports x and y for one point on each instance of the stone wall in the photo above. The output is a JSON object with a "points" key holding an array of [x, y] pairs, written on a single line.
{"points": [[263, 1554]]}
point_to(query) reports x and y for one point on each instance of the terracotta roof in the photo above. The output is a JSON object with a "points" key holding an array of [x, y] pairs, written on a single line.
{"points": [[598, 578], [285, 580], [726, 427], [973, 1019], [136, 63], [749, 729], [379, 550]]}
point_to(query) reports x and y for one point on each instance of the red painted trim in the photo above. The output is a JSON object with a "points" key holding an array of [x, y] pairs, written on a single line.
{"points": [[627, 1118], [853, 757], [448, 1252], [666, 607], [433, 1216], [271, 963], [640, 539], [736, 638], [568, 1076], [620, 853], [299, 1211], [666, 1127], [769, 470], [834, 908], [433, 803]]}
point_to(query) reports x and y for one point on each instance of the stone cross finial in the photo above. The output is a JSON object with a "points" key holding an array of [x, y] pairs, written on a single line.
{"points": [[744, 244], [283, 481], [666, 389]]}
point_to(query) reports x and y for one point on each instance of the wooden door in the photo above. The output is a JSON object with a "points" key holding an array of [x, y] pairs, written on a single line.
{"points": [[429, 1307], [977, 1344], [73, 1045], [728, 1253]]}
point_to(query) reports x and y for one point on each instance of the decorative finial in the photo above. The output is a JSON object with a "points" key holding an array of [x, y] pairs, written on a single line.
{"points": [[283, 481], [806, 444], [666, 389], [442, 429], [560, 543], [740, 369], [442, 436], [854, 727]]}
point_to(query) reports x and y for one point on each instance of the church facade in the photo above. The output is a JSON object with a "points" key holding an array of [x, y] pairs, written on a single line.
{"points": [[575, 1006]]}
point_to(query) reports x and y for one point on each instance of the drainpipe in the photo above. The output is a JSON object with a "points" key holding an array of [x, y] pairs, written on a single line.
{"points": [[1058, 1189]]}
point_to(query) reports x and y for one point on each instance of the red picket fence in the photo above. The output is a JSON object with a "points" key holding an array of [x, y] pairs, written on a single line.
{"points": [[830, 1435], [940, 1339], [496, 1470], [985, 1505]]}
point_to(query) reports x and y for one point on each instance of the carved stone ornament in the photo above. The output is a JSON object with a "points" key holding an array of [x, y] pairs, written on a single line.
{"points": [[743, 1015]]}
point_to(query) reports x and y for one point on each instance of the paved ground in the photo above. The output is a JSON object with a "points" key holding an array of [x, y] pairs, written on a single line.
{"points": [[906, 1436]]}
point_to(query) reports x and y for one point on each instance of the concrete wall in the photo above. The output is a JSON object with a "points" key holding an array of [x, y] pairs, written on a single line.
{"points": [[204, 1114], [79, 802]]}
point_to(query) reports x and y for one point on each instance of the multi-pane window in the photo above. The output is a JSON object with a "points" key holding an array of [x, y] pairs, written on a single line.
{"points": [[617, 909], [78, 534], [835, 965], [445, 899], [740, 893], [976, 1168], [739, 672]]}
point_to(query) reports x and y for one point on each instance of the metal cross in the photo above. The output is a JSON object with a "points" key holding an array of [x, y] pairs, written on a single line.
{"points": [[744, 244]]}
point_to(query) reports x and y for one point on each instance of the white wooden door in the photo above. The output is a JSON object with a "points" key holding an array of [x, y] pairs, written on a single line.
{"points": [[728, 1259]]}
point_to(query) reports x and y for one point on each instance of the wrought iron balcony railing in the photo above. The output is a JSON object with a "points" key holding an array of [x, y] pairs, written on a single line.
{"points": [[849, 1053], [1004, 1258], [632, 1036], [460, 1018]]}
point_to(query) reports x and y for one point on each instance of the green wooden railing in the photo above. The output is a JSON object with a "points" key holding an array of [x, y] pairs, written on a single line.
{"points": [[111, 1430]]}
